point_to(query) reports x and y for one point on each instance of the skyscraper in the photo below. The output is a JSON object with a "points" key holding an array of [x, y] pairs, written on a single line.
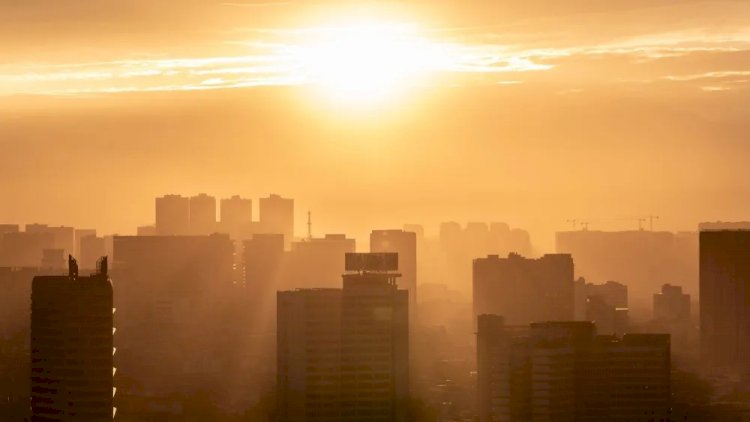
{"points": [[725, 298], [172, 215], [72, 350], [343, 354], [202, 214], [277, 216], [672, 315], [403, 243], [317, 262], [524, 290]]}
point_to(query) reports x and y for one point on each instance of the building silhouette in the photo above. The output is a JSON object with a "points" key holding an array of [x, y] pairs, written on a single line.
{"points": [[563, 371], [524, 290], [343, 354], [277, 217], [672, 315], [606, 305], [72, 338], [236, 215], [404, 243], [317, 262], [172, 215], [724, 304], [91, 247], [202, 214]]}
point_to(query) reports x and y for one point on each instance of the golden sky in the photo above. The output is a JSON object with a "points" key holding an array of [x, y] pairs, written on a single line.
{"points": [[529, 111]]}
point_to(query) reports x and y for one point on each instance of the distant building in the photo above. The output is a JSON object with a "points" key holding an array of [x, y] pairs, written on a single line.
{"points": [[53, 259], [343, 353], [202, 214], [9, 228], [146, 231], [523, 290], [91, 248], [672, 314], [236, 215], [643, 259], [607, 307], [263, 266], [562, 371], [72, 349], [172, 215], [317, 262], [24, 249], [80, 234], [277, 217], [404, 243], [724, 304]]}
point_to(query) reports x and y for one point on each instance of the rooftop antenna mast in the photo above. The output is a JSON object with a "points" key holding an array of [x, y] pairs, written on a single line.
{"points": [[309, 225]]}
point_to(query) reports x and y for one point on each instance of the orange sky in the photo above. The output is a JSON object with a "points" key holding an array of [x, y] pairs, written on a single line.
{"points": [[531, 112]]}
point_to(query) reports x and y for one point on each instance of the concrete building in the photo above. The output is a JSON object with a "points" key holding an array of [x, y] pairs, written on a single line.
{"points": [[72, 349], [607, 307], [277, 217], [343, 354], [563, 371], [524, 290], [724, 304], [172, 215], [91, 247], [24, 249], [202, 215], [404, 243]]}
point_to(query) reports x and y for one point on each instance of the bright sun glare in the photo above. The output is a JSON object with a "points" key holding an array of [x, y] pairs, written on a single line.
{"points": [[366, 62]]}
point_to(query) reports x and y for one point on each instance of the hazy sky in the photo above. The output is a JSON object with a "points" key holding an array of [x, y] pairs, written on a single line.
{"points": [[531, 112]]}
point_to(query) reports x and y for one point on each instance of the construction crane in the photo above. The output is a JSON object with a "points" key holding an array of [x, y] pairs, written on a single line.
{"points": [[651, 219]]}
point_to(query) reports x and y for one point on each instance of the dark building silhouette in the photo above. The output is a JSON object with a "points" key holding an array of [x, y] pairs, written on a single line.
{"points": [[53, 259], [172, 215], [202, 214], [236, 215], [404, 243], [343, 354], [563, 371], [72, 349], [24, 249], [277, 217], [9, 228], [725, 298], [524, 290], [146, 231], [79, 234]]}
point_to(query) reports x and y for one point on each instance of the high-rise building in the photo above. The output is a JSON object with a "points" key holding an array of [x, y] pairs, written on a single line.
{"points": [[343, 354], [172, 215], [672, 315], [607, 307], [562, 371], [24, 249], [263, 265], [236, 215], [80, 234], [53, 259], [524, 290], [9, 228], [202, 214], [277, 216], [403, 243], [725, 298], [72, 349]]}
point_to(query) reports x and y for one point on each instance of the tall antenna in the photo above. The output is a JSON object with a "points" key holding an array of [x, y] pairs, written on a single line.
{"points": [[309, 225]]}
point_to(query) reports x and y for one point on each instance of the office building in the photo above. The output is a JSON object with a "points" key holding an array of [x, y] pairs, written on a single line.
{"points": [[672, 315], [277, 217], [172, 215], [202, 215], [24, 249], [607, 306], [72, 349], [724, 304], [524, 290], [563, 371], [343, 354], [403, 243], [91, 247]]}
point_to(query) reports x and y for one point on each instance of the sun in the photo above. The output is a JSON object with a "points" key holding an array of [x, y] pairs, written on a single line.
{"points": [[366, 62]]}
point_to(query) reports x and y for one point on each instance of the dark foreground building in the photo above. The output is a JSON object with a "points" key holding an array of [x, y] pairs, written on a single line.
{"points": [[562, 371], [72, 346], [343, 354]]}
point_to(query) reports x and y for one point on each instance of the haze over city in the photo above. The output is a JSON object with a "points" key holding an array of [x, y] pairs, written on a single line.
{"points": [[285, 198]]}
